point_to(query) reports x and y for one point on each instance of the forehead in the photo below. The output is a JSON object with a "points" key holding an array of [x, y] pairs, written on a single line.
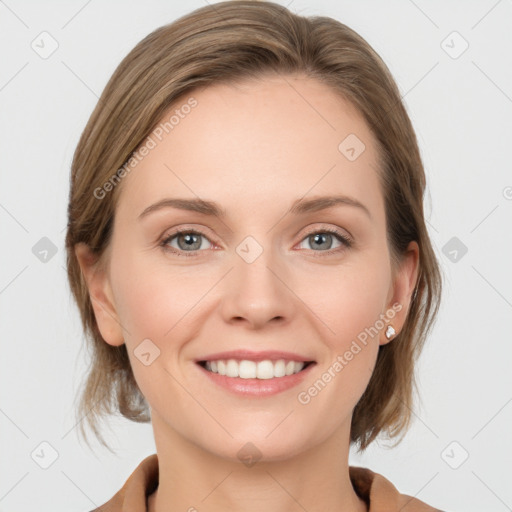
{"points": [[267, 141]]}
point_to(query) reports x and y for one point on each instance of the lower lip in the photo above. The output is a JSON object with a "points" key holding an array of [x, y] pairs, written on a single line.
{"points": [[257, 387]]}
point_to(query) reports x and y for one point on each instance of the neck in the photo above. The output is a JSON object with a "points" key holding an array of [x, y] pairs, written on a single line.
{"points": [[193, 479]]}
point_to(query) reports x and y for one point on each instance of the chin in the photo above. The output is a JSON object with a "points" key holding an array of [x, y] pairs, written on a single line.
{"points": [[252, 447]]}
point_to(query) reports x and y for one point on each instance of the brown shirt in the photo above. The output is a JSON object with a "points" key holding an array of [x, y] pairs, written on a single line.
{"points": [[379, 493]]}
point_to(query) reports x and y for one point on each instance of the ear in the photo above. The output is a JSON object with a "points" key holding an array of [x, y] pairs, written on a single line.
{"points": [[100, 293], [400, 295]]}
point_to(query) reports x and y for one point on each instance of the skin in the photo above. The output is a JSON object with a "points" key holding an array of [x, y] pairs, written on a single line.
{"points": [[254, 148]]}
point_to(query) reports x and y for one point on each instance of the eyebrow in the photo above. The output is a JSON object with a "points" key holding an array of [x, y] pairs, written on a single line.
{"points": [[210, 208]]}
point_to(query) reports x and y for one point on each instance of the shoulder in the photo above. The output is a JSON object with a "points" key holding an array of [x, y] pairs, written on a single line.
{"points": [[132, 496], [381, 495]]}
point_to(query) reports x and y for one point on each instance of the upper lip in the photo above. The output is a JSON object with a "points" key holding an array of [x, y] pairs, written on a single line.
{"points": [[273, 355]]}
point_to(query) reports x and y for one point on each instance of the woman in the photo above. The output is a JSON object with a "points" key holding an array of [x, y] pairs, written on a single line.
{"points": [[248, 251]]}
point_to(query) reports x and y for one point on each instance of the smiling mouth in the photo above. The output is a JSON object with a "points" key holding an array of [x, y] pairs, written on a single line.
{"points": [[246, 369]]}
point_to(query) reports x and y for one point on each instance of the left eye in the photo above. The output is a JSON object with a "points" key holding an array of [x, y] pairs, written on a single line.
{"points": [[325, 238]]}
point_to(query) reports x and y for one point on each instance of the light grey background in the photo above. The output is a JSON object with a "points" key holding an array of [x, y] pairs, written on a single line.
{"points": [[462, 112]]}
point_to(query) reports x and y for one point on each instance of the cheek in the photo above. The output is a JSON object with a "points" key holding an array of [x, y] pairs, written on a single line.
{"points": [[352, 313], [160, 304], [352, 310], [152, 299], [352, 300]]}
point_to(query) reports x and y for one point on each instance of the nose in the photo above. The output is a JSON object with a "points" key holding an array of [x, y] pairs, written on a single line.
{"points": [[256, 293]]}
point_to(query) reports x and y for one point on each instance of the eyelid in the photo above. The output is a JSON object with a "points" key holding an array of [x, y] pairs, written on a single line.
{"points": [[185, 228]]}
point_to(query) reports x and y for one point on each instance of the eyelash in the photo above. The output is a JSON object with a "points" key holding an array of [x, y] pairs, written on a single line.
{"points": [[345, 240]]}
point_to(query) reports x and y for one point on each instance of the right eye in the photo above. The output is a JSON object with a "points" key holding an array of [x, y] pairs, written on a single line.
{"points": [[187, 240]]}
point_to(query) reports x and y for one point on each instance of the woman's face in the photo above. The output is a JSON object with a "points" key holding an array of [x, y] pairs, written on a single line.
{"points": [[272, 274]]}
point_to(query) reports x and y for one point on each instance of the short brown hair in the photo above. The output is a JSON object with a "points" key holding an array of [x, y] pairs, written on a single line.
{"points": [[225, 42]]}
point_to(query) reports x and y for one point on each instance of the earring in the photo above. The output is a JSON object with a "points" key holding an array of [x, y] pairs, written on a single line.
{"points": [[390, 332]]}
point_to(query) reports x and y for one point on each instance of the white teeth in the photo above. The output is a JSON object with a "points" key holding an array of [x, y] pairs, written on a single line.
{"points": [[232, 368], [279, 368], [265, 370], [290, 367], [246, 369]]}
